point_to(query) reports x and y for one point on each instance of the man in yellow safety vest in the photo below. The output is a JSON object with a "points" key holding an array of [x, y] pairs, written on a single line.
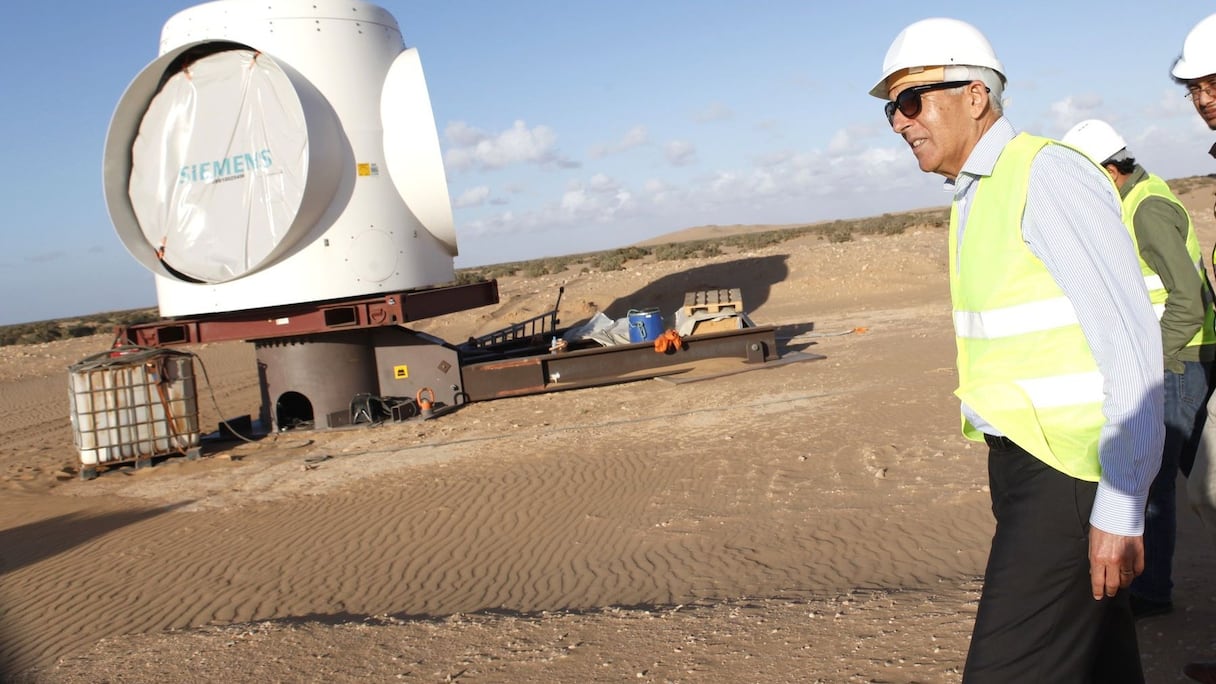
{"points": [[1059, 361]]}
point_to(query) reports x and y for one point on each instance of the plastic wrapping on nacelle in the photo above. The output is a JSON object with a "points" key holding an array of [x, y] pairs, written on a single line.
{"points": [[269, 158], [234, 159]]}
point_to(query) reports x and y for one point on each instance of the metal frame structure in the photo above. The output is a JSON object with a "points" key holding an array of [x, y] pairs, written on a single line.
{"points": [[340, 356], [305, 319], [522, 375]]}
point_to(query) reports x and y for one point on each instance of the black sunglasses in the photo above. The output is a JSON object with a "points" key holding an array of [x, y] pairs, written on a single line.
{"points": [[908, 101]]}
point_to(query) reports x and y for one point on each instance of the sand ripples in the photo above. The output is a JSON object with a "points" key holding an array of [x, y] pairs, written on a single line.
{"points": [[576, 529]]}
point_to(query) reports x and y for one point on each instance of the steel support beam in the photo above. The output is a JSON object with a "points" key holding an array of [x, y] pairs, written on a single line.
{"points": [[607, 365], [312, 318]]}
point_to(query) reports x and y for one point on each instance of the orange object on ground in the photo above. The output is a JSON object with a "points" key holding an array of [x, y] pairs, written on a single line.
{"points": [[669, 340], [425, 404]]}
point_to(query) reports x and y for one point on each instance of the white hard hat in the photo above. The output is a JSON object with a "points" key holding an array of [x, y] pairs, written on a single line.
{"points": [[1096, 139], [937, 42], [1198, 57]]}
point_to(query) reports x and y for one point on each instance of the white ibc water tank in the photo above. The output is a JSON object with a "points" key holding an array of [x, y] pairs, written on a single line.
{"points": [[279, 153], [132, 405]]}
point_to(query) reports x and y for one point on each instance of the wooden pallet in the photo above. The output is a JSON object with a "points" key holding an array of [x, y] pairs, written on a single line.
{"points": [[729, 322], [713, 301]]}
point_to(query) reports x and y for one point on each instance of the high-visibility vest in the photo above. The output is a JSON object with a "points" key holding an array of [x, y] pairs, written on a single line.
{"points": [[1023, 363], [1154, 186]]}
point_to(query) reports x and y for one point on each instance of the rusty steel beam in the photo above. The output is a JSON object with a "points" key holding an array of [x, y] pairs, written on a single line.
{"points": [[591, 367], [316, 317]]}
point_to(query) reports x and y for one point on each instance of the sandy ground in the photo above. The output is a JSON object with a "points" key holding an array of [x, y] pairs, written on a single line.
{"points": [[813, 521]]}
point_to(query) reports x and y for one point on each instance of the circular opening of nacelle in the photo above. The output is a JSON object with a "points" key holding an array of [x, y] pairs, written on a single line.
{"points": [[216, 170], [207, 162]]}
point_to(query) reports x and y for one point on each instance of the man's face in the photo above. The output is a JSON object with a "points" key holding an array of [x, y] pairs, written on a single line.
{"points": [[1202, 92], [938, 134]]}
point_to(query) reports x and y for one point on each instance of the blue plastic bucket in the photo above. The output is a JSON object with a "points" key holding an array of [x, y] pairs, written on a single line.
{"points": [[645, 325]]}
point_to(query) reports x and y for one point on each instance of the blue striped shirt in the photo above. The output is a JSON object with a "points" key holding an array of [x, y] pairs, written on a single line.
{"points": [[1073, 223]]}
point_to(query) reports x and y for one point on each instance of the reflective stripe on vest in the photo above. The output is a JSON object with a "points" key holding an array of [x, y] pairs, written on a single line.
{"points": [[1154, 186], [1024, 364], [1015, 320]]}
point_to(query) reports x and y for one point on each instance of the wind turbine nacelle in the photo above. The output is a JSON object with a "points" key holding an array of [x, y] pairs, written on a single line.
{"points": [[279, 153]]}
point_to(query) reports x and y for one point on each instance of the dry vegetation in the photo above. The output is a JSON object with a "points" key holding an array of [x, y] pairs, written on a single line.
{"points": [[77, 326], [743, 240]]}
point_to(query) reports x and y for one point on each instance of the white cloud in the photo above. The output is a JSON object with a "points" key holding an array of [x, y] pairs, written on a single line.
{"points": [[602, 183], [856, 177], [773, 158], [841, 142], [474, 148], [461, 134], [599, 200], [655, 186], [847, 141], [716, 111], [680, 153], [634, 137], [875, 178], [773, 128], [1173, 103], [473, 197], [1173, 149], [1072, 110]]}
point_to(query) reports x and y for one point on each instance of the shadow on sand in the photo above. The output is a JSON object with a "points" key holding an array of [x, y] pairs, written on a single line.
{"points": [[753, 276]]}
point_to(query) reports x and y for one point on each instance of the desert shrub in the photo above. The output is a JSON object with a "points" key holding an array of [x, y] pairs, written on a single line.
{"points": [[64, 328], [131, 317], [615, 260], [45, 331], [608, 261], [535, 269], [558, 264], [634, 253], [500, 271], [842, 235], [540, 267], [469, 276], [676, 251], [9, 334], [761, 239]]}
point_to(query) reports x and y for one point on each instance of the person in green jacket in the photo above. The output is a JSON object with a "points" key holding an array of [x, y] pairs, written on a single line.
{"points": [[1174, 273]]}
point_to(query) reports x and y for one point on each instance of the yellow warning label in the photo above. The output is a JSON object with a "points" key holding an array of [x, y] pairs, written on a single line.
{"points": [[401, 372], [365, 169]]}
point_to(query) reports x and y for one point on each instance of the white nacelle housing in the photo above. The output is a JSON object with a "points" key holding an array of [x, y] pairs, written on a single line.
{"points": [[279, 153]]}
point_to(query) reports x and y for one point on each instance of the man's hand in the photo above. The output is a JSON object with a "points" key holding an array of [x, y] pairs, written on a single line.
{"points": [[1114, 561]]}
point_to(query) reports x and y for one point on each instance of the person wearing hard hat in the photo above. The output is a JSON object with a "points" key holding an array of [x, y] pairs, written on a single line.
{"points": [[1195, 68], [1059, 362], [1176, 278]]}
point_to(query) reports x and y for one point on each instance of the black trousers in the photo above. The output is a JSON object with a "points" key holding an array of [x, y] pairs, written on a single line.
{"points": [[1037, 619]]}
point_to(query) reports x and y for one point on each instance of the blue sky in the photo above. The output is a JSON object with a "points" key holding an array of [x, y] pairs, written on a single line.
{"points": [[575, 126]]}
